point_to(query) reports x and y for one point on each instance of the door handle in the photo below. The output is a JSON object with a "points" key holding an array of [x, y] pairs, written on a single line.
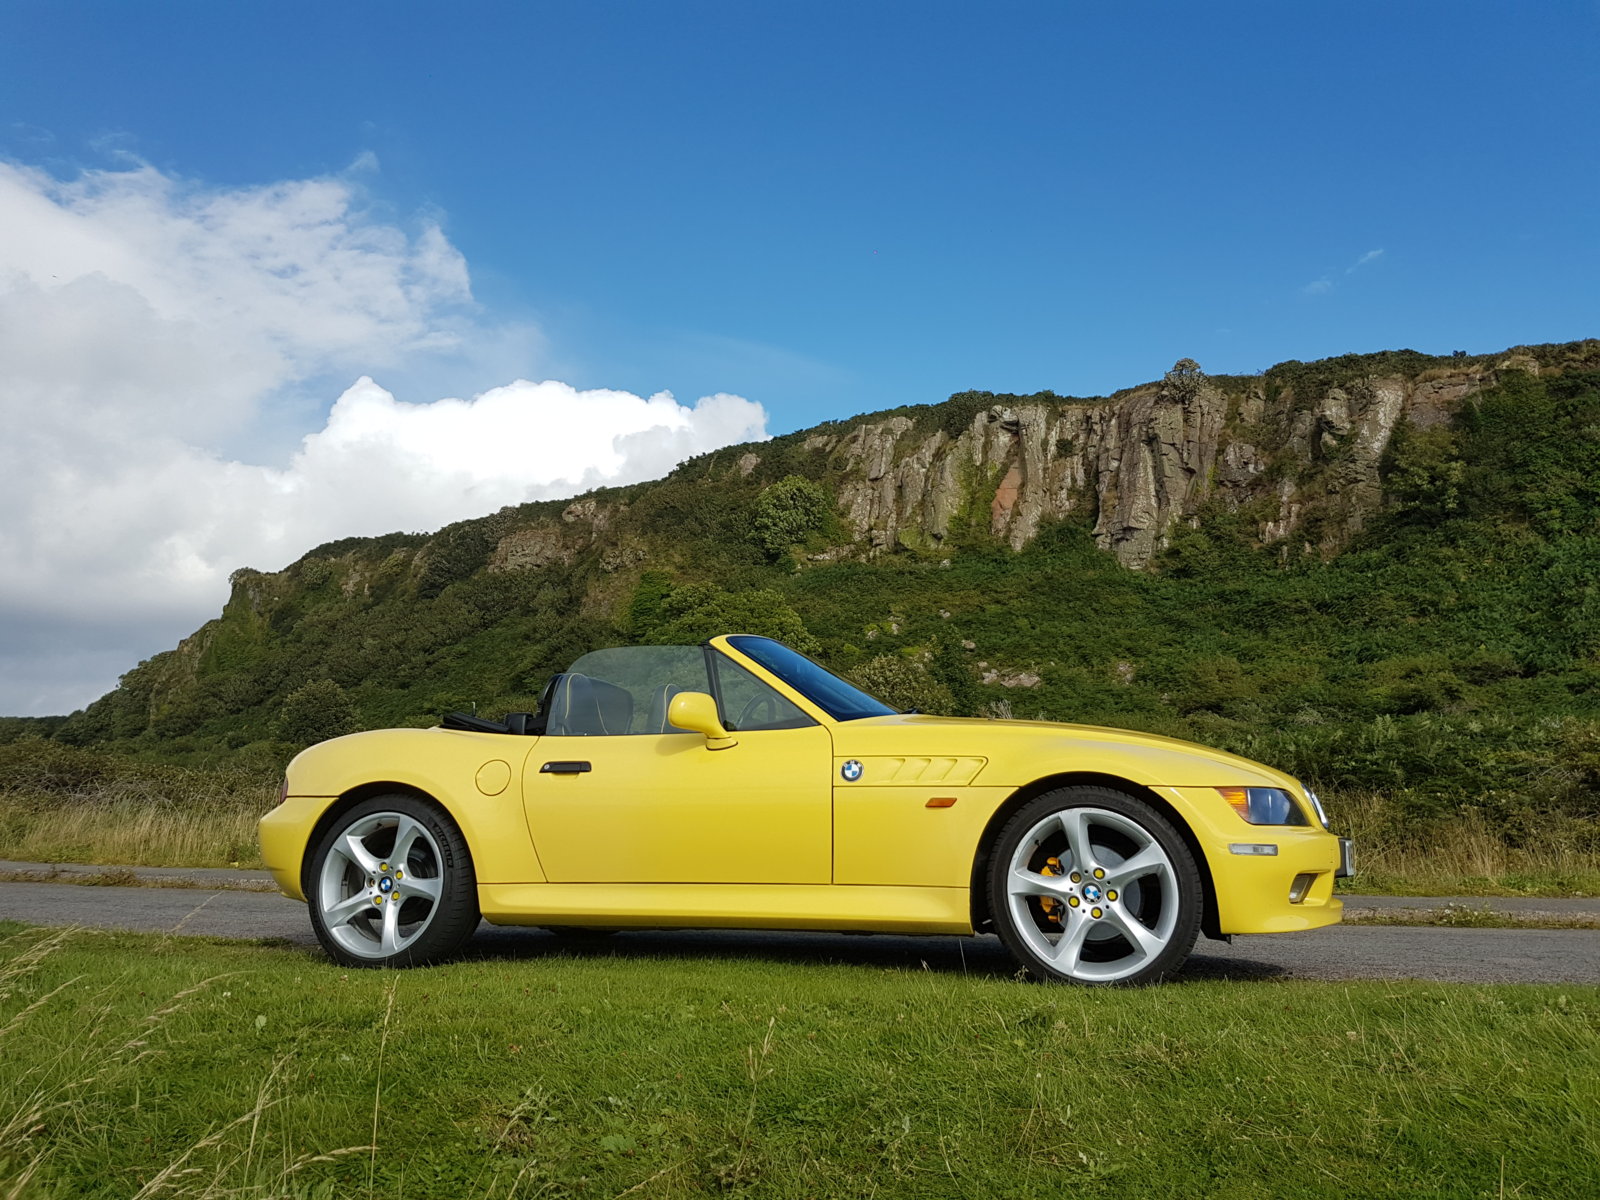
{"points": [[564, 768]]}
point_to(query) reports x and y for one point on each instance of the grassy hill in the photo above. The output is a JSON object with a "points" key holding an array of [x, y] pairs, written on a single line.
{"points": [[1417, 633]]}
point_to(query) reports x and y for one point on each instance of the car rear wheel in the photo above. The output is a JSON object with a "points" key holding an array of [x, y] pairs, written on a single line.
{"points": [[391, 884], [1091, 885]]}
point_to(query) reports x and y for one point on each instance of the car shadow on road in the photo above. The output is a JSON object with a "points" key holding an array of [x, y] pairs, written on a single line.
{"points": [[982, 957]]}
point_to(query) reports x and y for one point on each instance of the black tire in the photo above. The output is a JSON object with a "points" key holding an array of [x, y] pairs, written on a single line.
{"points": [[351, 884], [1127, 907]]}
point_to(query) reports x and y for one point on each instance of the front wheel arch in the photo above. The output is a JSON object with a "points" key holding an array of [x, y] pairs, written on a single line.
{"points": [[982, 920], [1092, 885], [366, 791]]}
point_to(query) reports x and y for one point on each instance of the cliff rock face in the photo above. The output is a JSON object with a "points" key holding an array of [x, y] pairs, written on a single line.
{"points": [[1141, 461], [1295, 453]]}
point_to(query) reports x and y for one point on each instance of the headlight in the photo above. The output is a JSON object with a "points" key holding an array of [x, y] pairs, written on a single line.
{"points": [[1316, 804], [1264, 806]]}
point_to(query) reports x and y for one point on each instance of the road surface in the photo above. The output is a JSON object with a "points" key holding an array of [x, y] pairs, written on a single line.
{"points": [[1343, 952]]}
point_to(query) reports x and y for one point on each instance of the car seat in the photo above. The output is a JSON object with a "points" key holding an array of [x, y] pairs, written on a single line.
{"points": [[657, 721], [583, 706]]}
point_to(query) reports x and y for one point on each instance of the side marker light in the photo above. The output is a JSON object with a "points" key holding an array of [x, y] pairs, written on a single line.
{"points": [[941, 802], [1267, 849]]}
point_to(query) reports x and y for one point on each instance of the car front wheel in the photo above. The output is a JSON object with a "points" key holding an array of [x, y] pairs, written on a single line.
{"points": [[391, 884], [1091, 885]]}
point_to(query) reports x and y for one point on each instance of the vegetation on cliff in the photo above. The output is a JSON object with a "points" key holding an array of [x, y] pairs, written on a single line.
{"points": [[1434, 639]]}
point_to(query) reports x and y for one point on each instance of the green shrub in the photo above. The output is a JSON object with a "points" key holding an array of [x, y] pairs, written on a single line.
{"points": [[787, 513], [315, 712], [905, 685], [694, 612]]}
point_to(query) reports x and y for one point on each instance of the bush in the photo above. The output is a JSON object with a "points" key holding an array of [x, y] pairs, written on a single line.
{"points": [[694, 612], [906, 685], [316, 712], [787, 513]]}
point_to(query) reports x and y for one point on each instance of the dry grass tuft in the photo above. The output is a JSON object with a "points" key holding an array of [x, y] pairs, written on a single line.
{"points": [[135, 831], [1466, 853]]}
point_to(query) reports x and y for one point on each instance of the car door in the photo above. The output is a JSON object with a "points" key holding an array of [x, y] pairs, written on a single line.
{"points": [[646, 806]]}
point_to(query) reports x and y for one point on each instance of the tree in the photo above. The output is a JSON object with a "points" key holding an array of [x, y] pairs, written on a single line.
{"points": [[316, 712], [787, 513]]}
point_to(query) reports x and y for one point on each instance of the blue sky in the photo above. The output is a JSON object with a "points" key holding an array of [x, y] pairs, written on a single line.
{"points": [[831, 208], [251, 251]]}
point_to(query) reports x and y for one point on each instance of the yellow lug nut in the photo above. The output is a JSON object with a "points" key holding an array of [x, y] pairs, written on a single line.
{"points": [[401, 875], [1072, 900], [1111, 895], [1094, 912], [1099, 874], [377, 899], [383, 866]]}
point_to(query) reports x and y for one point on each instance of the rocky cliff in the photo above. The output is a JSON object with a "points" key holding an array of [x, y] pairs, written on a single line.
{"points": [[1296, 452]]}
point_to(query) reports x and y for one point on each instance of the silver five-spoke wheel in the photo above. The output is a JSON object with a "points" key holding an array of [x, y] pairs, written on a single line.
{"points": [[1094, 886], [387, 885]]}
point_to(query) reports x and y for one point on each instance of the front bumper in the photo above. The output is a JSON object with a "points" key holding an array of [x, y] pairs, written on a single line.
{"points": [[284, 833], [1267, 878]]}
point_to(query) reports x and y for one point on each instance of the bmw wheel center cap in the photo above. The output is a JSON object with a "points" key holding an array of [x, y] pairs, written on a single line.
{"points": [[851, 770], [1091, 893]]}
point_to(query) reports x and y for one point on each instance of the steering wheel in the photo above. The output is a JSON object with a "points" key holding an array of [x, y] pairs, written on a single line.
{"points": [[750, 714]]}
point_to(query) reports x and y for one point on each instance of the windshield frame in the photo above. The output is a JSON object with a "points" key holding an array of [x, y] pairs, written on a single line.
{"points": [[843, 701]]}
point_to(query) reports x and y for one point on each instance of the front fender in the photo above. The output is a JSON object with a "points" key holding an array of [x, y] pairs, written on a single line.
{"points": [[475, 777]]}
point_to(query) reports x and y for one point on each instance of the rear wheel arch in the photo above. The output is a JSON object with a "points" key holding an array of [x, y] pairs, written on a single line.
{"points": [[981, 919]]}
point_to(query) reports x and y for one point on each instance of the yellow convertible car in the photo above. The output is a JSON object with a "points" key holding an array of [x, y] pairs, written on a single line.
{"points": [[740, 785]]}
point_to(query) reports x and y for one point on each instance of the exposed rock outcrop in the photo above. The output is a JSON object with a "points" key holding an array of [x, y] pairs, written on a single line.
{"points": [[1144, 460], [1295, 453]]}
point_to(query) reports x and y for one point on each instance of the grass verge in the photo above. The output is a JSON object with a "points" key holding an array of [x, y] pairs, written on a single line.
{"points": [[1465, 853], [1467, 916], [144, 1065], [89, 876]]}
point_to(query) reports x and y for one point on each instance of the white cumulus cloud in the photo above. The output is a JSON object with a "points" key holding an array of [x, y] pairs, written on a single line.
{"points": [[155, 338]]}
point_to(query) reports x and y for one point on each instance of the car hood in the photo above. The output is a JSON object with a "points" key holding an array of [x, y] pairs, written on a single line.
{"points": [[1019, 751]]}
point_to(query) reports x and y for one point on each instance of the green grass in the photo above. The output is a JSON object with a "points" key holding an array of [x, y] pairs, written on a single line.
{"points": [[262, 1070]]}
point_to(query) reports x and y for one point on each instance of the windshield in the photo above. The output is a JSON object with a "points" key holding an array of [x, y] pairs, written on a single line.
{"points": [[840, 700]]}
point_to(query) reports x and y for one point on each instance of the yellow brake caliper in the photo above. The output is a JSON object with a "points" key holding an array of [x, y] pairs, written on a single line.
{"points": [[1051, 906]]}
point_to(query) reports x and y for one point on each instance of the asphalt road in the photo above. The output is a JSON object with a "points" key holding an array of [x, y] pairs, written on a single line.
{"points": [[1343, 952]]}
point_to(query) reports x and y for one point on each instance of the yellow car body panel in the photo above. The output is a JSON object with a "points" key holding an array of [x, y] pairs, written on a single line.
{"points": [[936, 845], [730, 906], [772, 832], [663, 808], [443, 764]]}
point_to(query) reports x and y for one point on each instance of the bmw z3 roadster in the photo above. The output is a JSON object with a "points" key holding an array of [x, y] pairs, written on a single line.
{"points": [[740, 785]]}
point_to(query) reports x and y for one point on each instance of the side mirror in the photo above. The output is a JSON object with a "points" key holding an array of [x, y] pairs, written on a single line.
{"points": [[697, 712]]}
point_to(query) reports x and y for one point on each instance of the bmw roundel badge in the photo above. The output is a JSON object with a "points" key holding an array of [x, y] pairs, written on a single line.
{"points": [[851, 770]]}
